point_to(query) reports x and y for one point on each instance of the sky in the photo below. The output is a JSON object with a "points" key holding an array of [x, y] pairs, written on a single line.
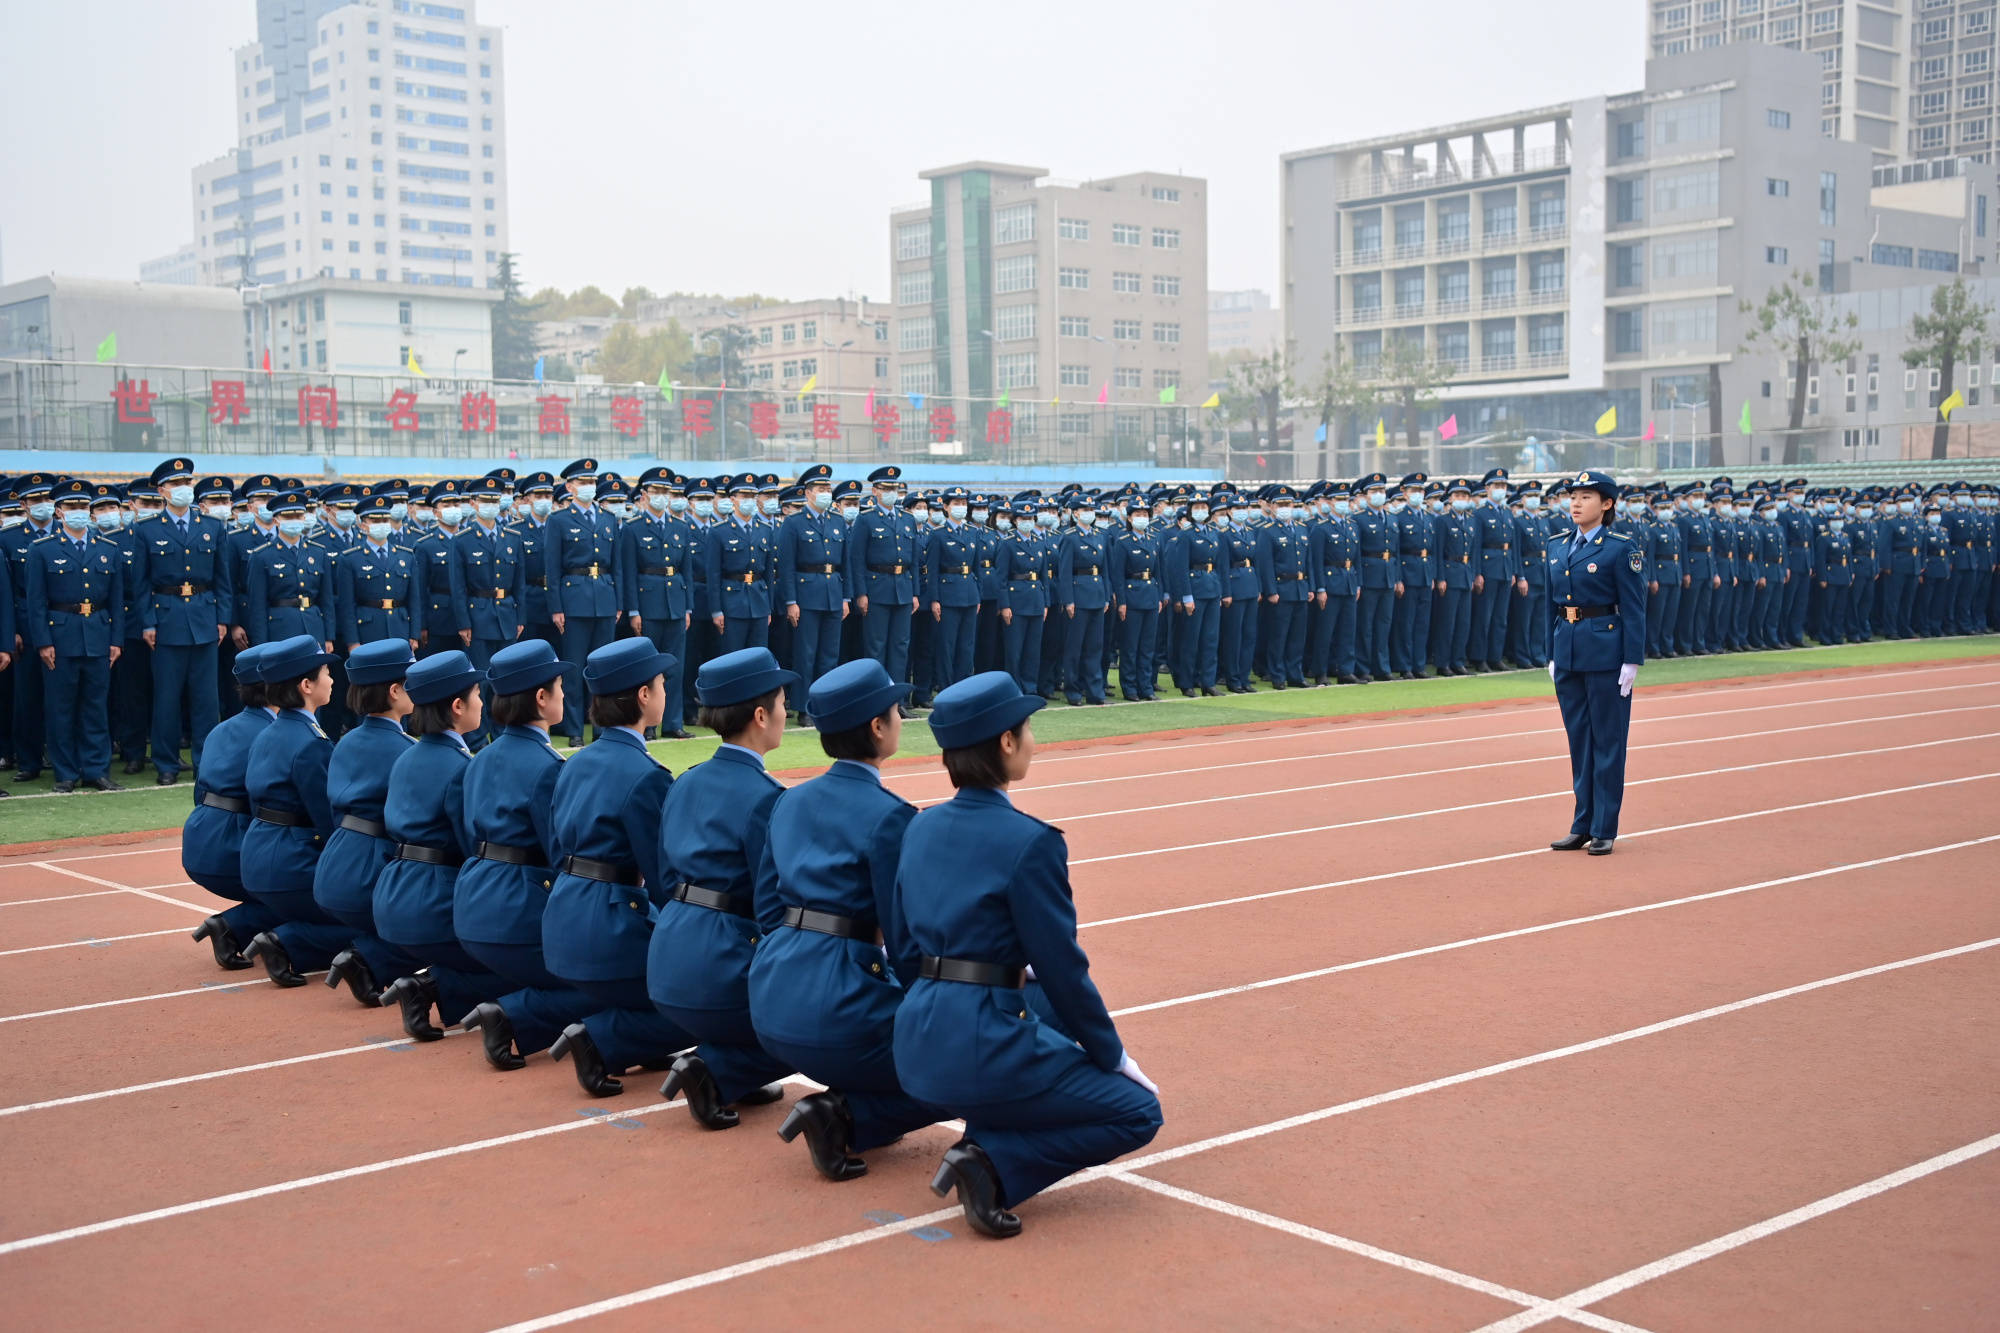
{"points": [[740, 147]]}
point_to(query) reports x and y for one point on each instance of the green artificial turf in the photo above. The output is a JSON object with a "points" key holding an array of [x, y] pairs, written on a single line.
{"points": [[35, 814]]}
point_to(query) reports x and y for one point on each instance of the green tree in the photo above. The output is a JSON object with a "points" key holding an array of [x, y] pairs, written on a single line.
{"points": [[1412, 377], [547, 303], [1953, 328], [628, 355], [718, 357], [628, 304], [1261, 385], [1341, 393], [1794, 321], [586, 302], [514, 344]]}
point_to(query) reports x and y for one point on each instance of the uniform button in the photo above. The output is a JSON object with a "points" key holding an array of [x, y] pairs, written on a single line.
{"points": [[1024, 1013], [875, 968], [546, 884]]}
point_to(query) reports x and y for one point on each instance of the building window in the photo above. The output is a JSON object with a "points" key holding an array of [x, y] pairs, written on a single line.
{"points": [[1014, 370], [1626, 327], [1016, 273], [1125, 282], [1628, 201], [1166, 333], [914, 335], [1073, 229], [1685, 190], [1829, 94], [1826, 265], [1126, 377], [1166, 284], [1978, 21], [1975, 62], [913, 287], [1014, 323], [1075, 326], [1686, 322], [1124, 233], [1073, 279], [913, 240], [789, 333], [1013, 224], [809, 330], [1628, 265], [1368, 292], [1545, 209], [1166, 238], [1125, 330], [1496, 345], [1972, 131], [1777, 254], [1163, 194], [1166, 379], [1938, 261], [1454, 345], [1776, 188], [1930, 136], [1545, 272], [1933, 104], [1676, 17], [1410, 229], [1975, 95], [1778, 120], [1694, 121], [1934, 30], [1409, 290], [1500, 216], [1824, 20], [881, 367], [1684, 256], [1629, 138], [1496, 282], [1074, 376], [1829, 198], [764, 336]]}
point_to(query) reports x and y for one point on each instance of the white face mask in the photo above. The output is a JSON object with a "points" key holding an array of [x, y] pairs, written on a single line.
{"points": [[1461, 505], [76, 520], [1697, 503], [1725, 509], [1103, 523], [1907, 506], [1395, 506], [12, 521], [658, 501], [108, 521], [1141, 522], [487, 509], [585, 492], [937, 518], [1935, 520], [180, 497], [1004, 524], [704, 508], [923, 516], [747, 506], [617, 508], [822, 500], [378, 531], [1665, 512], [979, 515], [450, 514], [1497, 494], [1376, 499], [1343, 507], [217, 511], [850, 511], [957, 513], [1531, 503], [1199, 515], [1047, 518]]}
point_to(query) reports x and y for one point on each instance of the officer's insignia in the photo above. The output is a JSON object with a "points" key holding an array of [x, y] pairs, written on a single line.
{"points": [[1637, 562], [1591, 568], [1583, 477]]}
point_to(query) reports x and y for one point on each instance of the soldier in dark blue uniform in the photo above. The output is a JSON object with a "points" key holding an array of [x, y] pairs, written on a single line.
{"points": [[436, 553], [1037, 1070], [740, 555], [1197, 579], [490, 575], [1334, 547], [951, 595], [291, 584], [537, 493], [812, 581], [1799, 536], [1934, 573], [705, 510], [579, 560], [1833, 556], [253, 498], [1027, 564], [1082, 566], [378, 590], [212, 836], [655, 577], [1861, 533], [340, 518], [1597, 605], [1665, 578], [1496, 570], [882, 571], [1241, 592], [1527, 628], [1286, 572], [1698, 553], [1377, 540], [72, 616], [1417, 569], [923, 509], [1136, 590], [1457, 537], [183, 597], [34, 492]]}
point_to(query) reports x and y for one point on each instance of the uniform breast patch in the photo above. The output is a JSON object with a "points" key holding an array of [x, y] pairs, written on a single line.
{"points": [[1637, 562]]}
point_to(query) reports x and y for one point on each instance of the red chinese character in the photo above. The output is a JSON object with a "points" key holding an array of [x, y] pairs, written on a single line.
{"points": [[476, 411], [944, 425], [763, 420], [555, 415], [319, 407], [888, 420], [225, 402], [402, 411], [628, 416], [696, 416], [135, 402], [826, 421], [1000, 426]]}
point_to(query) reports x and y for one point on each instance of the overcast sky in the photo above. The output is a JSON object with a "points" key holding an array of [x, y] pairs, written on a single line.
{"points": [[741, 147]]}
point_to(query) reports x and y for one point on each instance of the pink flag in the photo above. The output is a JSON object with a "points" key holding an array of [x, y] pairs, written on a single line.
{"points": [[868, 408], [1450, 427], [1104, 394], [1643, 439]]}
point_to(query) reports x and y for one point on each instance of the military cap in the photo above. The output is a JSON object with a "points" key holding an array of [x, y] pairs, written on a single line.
{"points": [[979, 708], [1594, 479], [817, 472], [292, 659], [535, 481], [885, 476], [656, 476], [527, 665], [440, 677], [290, 502], [173, 469], [843, 490], [624, 665], [209, 487], [583, 469], [248, 664], [380, 662]]}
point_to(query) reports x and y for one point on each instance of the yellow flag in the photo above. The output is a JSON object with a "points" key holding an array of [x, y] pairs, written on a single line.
{"points": [[1381, 434], [1608, 422], [413, 367], [807, 387], [1957, 399], [1214, 400]]}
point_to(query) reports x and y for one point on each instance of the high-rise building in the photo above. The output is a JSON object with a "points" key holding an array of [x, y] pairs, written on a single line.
{"points": [[1243, 321], [371, 147]]}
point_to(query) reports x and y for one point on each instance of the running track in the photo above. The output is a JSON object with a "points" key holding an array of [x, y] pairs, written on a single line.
{"points": [[1418, 1073]]}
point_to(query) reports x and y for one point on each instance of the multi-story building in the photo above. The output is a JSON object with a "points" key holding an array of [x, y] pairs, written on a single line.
{"points": [[371, 147], [182, 268], [574, 341], [1008, 282], [1595, 254], [1243, 321], [840, 344], [347, 327]]}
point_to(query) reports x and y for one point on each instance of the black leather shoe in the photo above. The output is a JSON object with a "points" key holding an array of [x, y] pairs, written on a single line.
{"points": [[414, 995], [64, 788], [829, 1129], [134, 766], [764, 1096], [277, 963], [1214, 691], [967, 1166], [1575, 842], [348, 966], [496, 1032], [590, 1071], [228, 954], [678, 734], [166, 779], [1599, 847], [690, 1077], [27, 775], [103, 784]]}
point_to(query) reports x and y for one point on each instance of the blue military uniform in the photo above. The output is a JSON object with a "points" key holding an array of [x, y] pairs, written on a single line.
{"points": [[951, 563], [73, 608], [655, 580], [1027, 564], [1081, 590], [1698, 555], [882, 567], [182, 593], [357, 789], [1457, 537], [1136, 588], [1666, 578], [1242, 594], [1377, 539], [1496, 564], [740, 556], [1416, 569], [491, 574], [533, 531], [1197, 575], [1285, 574], [579, 561], [27, 683], [440, 588], [1527, 630], [291, 582], [1833, 554], [1799, 536], [1334, 549], [378, 588], [811, 561], [212, 836]]}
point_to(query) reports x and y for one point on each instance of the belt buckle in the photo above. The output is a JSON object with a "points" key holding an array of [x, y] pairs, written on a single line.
{"points": [[1570, 614], [187, 590], [897, 570], [386, 605], [87, 608], [499, 594], [749, 577], [305, 603], [593, 571]]}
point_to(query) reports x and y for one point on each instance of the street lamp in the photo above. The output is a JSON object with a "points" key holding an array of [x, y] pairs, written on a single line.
{"points": [[454, 360]]}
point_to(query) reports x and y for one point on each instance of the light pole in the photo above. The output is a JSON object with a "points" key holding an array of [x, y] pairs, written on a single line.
{"points": [[1112, 396], [454, 361]]}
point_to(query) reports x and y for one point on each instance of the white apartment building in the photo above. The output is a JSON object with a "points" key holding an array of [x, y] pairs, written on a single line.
{"points": [[1244, 321]]}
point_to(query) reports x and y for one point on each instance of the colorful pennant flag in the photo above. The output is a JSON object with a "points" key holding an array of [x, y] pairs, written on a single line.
{"points": [[1169, 394], [1609, 421], [1957, 399], [108, 349], [1743, 422], [412, 365], [1449, 430], [1647, 438], [1319, 436], [1005, 398], [868, 408], [267, 360], [1381, 434], [807, 387], [917, 401], [1104, 394], [666, 385], [1214, 400], [538, 368]]}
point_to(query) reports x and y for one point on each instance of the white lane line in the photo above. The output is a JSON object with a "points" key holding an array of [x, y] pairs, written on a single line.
{"points": [[136, 999], [1524, 931], [127, 888], [91, 944], [62, 897], [1141, 1163], [1567, 1307], [1363, 1250]]}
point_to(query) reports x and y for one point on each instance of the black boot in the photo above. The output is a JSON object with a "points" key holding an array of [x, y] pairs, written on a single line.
{"points": [[829, 1129], [704, 1100], [967, 1166], [277, 963], [496, 1032], [590, 1071], [347, 966], [228, 954], [414, 995]]}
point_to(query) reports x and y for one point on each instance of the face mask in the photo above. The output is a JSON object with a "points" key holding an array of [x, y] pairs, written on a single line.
{"points": [[1497, 494], [1395, 506], [922, 516], [1004, 524], [1906, 506], [617, 508], [1140, 522], [585, 492], [108, 521], [822, 500], [1836, 524], [1047, 518], [379, 531], [957, 513], [1343, 507], [1376, 499], [346, 518], [146, 513], [487, 509], [1221, 520], [400, 510], [1103, 523], [1796, 500], [1935, 520], [1827, 506], [180, 497], [1697, 504], [12, 521], [217, 511], [1665, 512], [979, 515], [769, 506], [1199, 515], [677, 504], [937, 518], [747, 508], [1865, 511], [76, 520], [1726, 510], [1532, 503], [850, 512], [704, 508], [659, 502], [1461, 505], [243, 519], [450, 514], [42, 510], [292, 527]]}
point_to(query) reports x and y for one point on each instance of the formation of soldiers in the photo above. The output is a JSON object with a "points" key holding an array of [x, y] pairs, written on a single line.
{"points": [[125, 605]]}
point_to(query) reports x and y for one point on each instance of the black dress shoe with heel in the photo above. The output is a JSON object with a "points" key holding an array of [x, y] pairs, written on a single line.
{"points": [[1599, 847], [228, 954], [496, 1032], [414, 995], [690, 1078], [348, 966], [967, 1166], [591, 1073], [829, 1129], [277, 963], [1575, 842]]}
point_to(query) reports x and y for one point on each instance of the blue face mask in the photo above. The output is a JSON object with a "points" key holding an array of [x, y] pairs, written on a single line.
{"points": [[677, 504], [850, 512], [541, 506], [1531, 502], [346, 518], [42, 510], [704, 508], [1376, 499], [292, 527], [399, 510], [1836, 524], [1343, 507], [76, 520], [180, 497], [108, 521], [770, 506], [1462, 506]]}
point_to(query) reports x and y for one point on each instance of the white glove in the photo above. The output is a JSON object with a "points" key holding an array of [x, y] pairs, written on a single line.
{"points": [[1552, 669], [1626, 675], [1030, 970], [1130, 1069]]}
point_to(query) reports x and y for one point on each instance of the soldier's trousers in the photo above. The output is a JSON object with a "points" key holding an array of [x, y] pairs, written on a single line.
{"points": [[1083, 656], [581, 636], [700, 640], [740, 632], [1135, 674], [1792, 619], [1405, 648], [1287, 652], [132, 699], [625, 1027], [1964, 584], [1690, 636], [955, 636], [543, 1005], [1196, 662], [1087, 1117], [866, 1077], [1048, 671], [1453, 627], [1371, 631], [815, 650], [1598, 719], [79, 727], [923, 660], [1484, 609], [1528, 628], [986, 649], [1021, 649], [183, 677], [1236, 643], [886, 636], [1331, 653], [1937, 606]]}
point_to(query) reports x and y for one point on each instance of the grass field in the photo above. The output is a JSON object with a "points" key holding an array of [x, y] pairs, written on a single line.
{"points": [[36, 814]]}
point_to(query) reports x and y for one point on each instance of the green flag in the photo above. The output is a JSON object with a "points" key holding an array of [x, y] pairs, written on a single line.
{"points": [[108, 349], [666, 385], [1004, 397], [1167, 394], [1743, 422]]}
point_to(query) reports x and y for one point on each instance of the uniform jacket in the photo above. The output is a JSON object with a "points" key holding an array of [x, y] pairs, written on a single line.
{"points": [[165, 560], [366, 576], [236, 549], [882, 555], [1416, 548], [492, 576], [60, 573], [1455, 535], [580, 562], [1499, 557], [291, 592], [533, 535], [606, 806], [1082, 567], [509, 800], [443, 592], [713, 835], [425, 806], [1137, 580], [1608, 570], [1194, 564], [212, 839], [809, 546], [1376, 538], [1242, 556], [951, 560], [357, 783], [1285, 562], [648, 547], [742, 564], [287, 771], [1027, 563]]}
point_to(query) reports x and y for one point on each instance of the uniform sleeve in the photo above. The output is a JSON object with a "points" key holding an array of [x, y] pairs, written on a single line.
{"points": [[6, 608], [1045, 918], [1267, 578], [1631, 573], [35, 603], [1064, 566], [711, 560], [625, 563], [1114, 583], [454, 808], [309, 780], [643, 815], [788, 555], [225, 579], [756, 855], [258, 595], [552, 562], [461, 612], [142, 601], [885, 856], [343, 607], [117, 602]]}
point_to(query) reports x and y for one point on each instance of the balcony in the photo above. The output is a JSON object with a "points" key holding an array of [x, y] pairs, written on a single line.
{"points": [[1406, 250], [1548, 360], [1552, 296], [1370, 184], [1365, 258], [1496, 364], [1455, 247]]}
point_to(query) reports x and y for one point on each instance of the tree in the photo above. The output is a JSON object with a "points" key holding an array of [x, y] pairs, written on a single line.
{"points": [[1954, 328], [1341, 391], [589, 301], [628, 304], [1792, 321], [628, 355], [514, 344], [1412, 376], [719, 358], [1264, 383], [547, 303]]}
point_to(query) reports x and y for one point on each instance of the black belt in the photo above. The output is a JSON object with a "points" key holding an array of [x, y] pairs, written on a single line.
{"points": [[1242, 564], [284, 818], [1088, 572], [605, 872], [513, 856], [816, 569], [826, 923], [736, 904], [356, 824], [976, 974], [541, 582], [431, 856], [235, 805], [79, 608], [887, 569], [1576, 613], [1693, 549], [657, 571], [1138, 575], [182, 589], [490, 594]]}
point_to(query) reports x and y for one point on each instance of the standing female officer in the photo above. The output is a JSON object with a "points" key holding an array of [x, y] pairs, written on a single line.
{"points": [[599, 920], [357, 786], [822, 994], [212, 838], [1037, 1071], [498, 901], [425, 814], [1597, 607], [711, 843]]}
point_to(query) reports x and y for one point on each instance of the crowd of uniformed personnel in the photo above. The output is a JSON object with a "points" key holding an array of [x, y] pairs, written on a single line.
{"points": [[134, 599]]}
